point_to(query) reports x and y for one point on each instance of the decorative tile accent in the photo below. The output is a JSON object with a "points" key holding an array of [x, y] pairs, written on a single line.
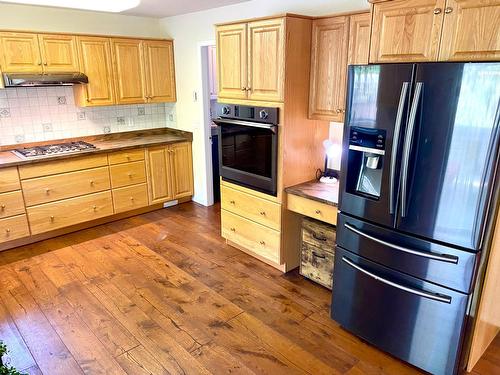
{"points": [[61, 100], [141, 111], [4, 112]]}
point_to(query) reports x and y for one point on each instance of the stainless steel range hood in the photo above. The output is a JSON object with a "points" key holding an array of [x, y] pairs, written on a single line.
{"points": [[52, 79]]}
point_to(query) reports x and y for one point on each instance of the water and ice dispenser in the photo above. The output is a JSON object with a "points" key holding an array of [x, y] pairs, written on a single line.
{"points": [[365, 161]]}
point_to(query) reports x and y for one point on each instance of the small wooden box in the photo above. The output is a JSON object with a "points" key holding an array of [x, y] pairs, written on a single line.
{"points": [[317, 253]]}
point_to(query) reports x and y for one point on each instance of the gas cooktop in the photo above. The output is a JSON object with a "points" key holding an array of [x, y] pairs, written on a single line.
{"points": [[55, 149]]}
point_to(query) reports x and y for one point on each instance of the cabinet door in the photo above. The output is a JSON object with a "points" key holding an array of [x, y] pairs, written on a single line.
{"points": [[159, 174], [359, 38], [266, 59], [128, 71], [471, 30], [20, 53], [328, 68], [232, 61], [160, 74], [182, 169], [59, 53], [405, 30], [95, 62]]}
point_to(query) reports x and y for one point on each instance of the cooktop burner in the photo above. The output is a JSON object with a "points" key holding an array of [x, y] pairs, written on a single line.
{"points": [[55, 149]]}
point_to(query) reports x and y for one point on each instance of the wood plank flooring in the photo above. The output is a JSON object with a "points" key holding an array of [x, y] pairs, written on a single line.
{"points": [[161, 293]]}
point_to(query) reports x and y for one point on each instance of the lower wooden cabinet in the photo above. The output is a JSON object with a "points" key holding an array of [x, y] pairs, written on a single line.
{"points": [[314, 209], [130, 198], [11, 204], [13, 228], [182, 169], [127, 174]]}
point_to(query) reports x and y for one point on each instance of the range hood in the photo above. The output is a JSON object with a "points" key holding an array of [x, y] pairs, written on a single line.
{"points": [[52, 79]]}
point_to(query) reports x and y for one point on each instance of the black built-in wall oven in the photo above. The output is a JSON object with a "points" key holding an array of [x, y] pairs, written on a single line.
{"points": [[248, 146]]}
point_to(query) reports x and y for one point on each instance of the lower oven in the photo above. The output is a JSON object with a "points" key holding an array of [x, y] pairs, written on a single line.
{"points": [[248, 146]]}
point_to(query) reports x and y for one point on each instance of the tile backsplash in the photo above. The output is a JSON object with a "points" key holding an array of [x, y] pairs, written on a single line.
{"points": [[31, 114]]}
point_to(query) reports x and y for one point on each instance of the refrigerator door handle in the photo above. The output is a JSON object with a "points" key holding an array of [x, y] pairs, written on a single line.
{"points": [[440, 257], [395, 145], [407, 148], [418, 292]]}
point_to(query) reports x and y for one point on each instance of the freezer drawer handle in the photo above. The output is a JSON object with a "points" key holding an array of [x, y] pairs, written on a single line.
{"points": [[421, 293], [443, 258]]}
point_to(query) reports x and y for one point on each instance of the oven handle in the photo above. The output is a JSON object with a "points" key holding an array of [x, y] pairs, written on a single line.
{"points": [[222, 121], [418, 292]]}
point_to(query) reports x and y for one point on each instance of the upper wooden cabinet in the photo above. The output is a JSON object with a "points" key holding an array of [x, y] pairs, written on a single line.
{"points": [[432, 30], [20, 53], [59, 53], [232, 61], [95, 62], [359, 38], [160, 74]]}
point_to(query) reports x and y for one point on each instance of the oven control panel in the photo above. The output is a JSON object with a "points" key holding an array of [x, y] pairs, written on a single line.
{"points": [[264, 115]]}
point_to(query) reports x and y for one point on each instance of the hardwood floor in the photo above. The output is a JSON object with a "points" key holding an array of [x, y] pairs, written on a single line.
{"points": [[161, 293]]}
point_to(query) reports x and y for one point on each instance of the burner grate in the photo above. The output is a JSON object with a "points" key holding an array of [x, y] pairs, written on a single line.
{"points": [[54, 149]]}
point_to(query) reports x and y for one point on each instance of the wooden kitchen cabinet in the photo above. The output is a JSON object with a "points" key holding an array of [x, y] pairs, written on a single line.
{"points": [[359, 38], [212, 72], [329, 50], [232, 61], [59, 53], [182, 170], [95, 62], [160, 74], [20, 53]]}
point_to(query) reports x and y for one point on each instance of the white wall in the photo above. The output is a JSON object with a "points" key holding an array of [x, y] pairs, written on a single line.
{"points": [[25, 17], [190, 30]]}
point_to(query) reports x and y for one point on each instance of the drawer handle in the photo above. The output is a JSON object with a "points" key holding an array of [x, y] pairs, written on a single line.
{"points": [[131, 198], [318, 211], [315, 254], [130, 174], [437, 11], [47, 191], [51, 218], [7, 231], [232, 202], [92, 182], [263, 213], [319, 238], [2, 207], [448, 10], [262, 243], [233, 229], [94, 208], [128, 157]]}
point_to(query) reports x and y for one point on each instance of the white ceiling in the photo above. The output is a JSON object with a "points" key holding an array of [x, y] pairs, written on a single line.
{"points": [[166, 8]]}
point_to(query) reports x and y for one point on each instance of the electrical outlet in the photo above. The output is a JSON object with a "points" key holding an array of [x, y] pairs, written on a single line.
{"points": [[47, 127], [61, 100], [81, 116]]}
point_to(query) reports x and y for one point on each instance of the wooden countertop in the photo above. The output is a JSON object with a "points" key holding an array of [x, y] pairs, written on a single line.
{"points": [[104, 143], [318, 191]]}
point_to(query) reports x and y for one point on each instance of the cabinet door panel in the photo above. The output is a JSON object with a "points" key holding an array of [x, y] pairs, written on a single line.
{"points": [[160, 75], [20, 53], [406, 30], [95, 62], [128, 71], [471, 30], [159, 175], [266, 56], [328, 68], [232, 61], [359, 38], [59, 53], [182, 170]]}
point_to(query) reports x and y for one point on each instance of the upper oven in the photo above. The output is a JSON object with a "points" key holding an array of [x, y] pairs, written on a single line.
{"points": [[248, 146]]}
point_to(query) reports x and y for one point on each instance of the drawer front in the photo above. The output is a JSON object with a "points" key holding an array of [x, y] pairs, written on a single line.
{"points": [[126, 156], [251, 207], [9, 179], [252, 236], [314, 209], [51, 216], [67, 185], [13, 228], [318, 234], [62, 166], [130, 198], [11, 204], [128, 174], [317, 264]]}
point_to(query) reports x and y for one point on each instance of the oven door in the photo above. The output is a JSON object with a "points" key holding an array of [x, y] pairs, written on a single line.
{"points": [[248, 153]]}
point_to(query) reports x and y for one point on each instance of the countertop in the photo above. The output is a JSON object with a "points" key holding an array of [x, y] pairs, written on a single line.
{"points": [[318, 191], [104, 143]]}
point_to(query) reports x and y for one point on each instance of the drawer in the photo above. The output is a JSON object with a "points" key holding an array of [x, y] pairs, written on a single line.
{"points": [[68, 212], [317, 264], [126, 156], [67, 185], [13, 228], [128, 174], [11, 204], [256, 209], [130, 198], [252, 236], [311, 208], [9, 179], [62, 166], [318, 234]]}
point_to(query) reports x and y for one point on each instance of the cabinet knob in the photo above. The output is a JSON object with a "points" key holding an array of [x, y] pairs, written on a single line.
{"points": [[232, 202], [7, 231], [131, 198], [343, 110], [88, 100], [437, 11], [128, 157], [233, 229], [318, 211], [92, 182], [94, 208], [130, 174], [243, 89], [2, 207], [39, 63], [45, 63], [262, 243], [249, 89], [47, 190], [448, 10], [52, 218], [263, 213], [338, 110]]}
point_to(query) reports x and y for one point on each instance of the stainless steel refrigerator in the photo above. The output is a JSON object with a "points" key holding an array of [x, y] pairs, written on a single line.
{"points": [[417, 201]]}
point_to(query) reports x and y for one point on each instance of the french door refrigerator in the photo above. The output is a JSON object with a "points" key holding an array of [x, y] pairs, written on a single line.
{"points": [[416, 199]]}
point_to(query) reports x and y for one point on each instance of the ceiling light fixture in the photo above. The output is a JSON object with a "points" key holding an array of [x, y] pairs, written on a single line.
{"points": [[97, 5]]}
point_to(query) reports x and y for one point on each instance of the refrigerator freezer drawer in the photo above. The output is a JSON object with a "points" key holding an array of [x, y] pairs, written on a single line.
{"points": [[416, 321], [443, 265]]}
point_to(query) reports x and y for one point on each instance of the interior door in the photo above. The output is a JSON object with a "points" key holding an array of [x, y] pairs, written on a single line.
{"points": [[160, 74], [59, 53], [452, 151], [377, 101]]}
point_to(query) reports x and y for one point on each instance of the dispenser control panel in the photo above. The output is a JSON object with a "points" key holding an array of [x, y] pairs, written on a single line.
{"points": [[367, 138]]}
